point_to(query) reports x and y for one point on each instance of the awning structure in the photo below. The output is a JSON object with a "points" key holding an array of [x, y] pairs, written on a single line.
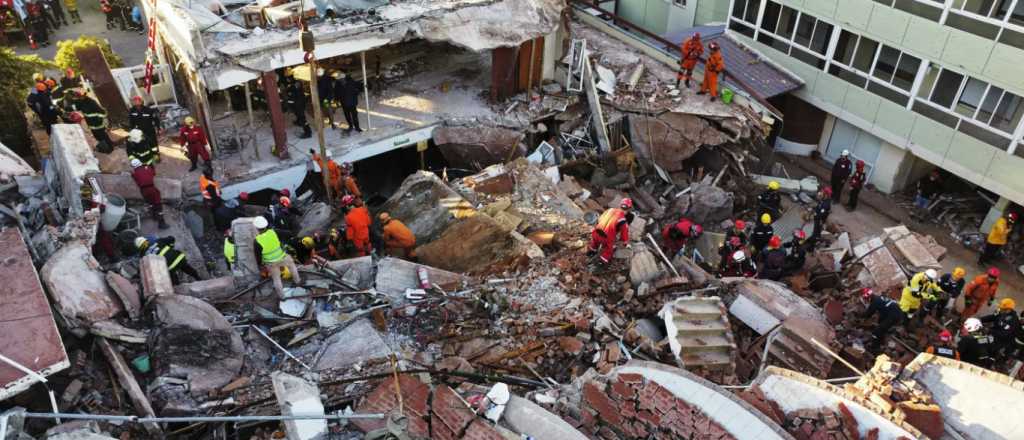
{"points": [[743, 62]]}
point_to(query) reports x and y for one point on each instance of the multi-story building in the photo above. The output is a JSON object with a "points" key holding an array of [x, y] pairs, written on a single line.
{"points": [[905, 85], [661, 17]]}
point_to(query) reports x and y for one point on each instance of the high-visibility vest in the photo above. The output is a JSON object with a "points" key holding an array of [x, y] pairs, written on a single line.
{"points": [[172, 256], [609, 220], [271, 245], [229, 250]]}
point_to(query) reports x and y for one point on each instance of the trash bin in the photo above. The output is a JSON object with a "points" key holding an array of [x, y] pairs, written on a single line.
{"points": [[114, 209], [727, 95]]}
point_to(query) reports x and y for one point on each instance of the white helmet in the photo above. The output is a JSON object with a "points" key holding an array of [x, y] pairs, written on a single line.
{"points": [[260, 222], [846, 153], [136, 163], [739, 256], [931, 274], [140, 242], [135, 135], [972, 324]]}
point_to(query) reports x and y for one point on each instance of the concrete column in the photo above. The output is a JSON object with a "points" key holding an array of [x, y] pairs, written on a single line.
{"points": [[994, 213], [277, 121], [156, 279], [246, 270]]}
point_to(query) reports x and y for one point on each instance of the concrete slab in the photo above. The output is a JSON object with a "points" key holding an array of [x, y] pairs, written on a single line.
{"points": [[356, 271], [80, 290], [528, 418], [395, 275], [124, 186], [699, 334], [156, 280], [881, 264], [183, 240], [298, 397], [195, 342], [26, 320], [214, 289], [356, 343], [917, 255], [73, 161]]}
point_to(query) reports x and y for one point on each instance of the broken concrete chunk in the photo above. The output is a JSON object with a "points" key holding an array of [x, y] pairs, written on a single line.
{"points": [[709, 204], [356, 271], [359, 342], [472, 147], [316, 218], [195, 342], [245, 269], [643, 266], [676, 137], [77, 286], [214, 289], [468, 244], [534, 185], [395, 275], [156, 279], [124, 186], [127, 292], [426, 205], [112, 330], [296, 396], [73, 161]]}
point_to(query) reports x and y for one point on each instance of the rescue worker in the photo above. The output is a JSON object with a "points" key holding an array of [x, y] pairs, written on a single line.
{"points": [[922, 286], [889, 315], [193, 139], [714, 66], [164, 247], [773, 260], [138, 147], [334, 176], [336, 244], [297, 104], [95, 118], [147, 119], [739, 266], [678, 234], [325, 92], [690, 52], [145, 177], [305, 250], [841, 171], [927, 189], [997, 238], [314, 180], [945, 347], [981, 290], [348, 97], [279, 215], [72, 6], [41, 102], [208, 186], [727, 250], [857, 181], [397, 237], [739, 228], [796, 255], [357, 224], [975, 346], [952, 285], [762, 233], [270, 253], [224, 211], [821, 212], [1005, 329], [229, 248], [769, 201], [613, 222], [349, 182]]}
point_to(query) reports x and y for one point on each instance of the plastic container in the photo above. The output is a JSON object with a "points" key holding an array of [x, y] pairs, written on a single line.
{"points": [[727, 96], [141, 363], [113, 211]]}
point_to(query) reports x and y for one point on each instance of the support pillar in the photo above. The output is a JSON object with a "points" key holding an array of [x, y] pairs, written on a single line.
{"points": [[277, 121], [503, 73], [245, 270]]}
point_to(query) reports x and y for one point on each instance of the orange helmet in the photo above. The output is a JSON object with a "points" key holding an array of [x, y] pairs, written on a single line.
{"points": [[41, 87]]}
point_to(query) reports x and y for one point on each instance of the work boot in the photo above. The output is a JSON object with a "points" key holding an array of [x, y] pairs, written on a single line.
{"points": [[713, 98], [687, 83], [702, 92], [194, 166]]}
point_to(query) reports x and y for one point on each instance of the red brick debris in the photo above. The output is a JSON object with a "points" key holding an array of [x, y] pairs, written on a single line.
{"points": [[630, 407]]}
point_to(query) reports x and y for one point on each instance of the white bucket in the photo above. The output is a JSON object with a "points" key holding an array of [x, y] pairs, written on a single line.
{"points": [[112, 213]]}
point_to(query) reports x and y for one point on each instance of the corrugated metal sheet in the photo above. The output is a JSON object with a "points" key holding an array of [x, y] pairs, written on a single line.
{"points": [[743, 61]]}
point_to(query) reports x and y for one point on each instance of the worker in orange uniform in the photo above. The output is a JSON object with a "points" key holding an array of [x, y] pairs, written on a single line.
{"points": [[945, 348], [349, 182], [997, 237], [714, 66], [614, 221], [691, 50], [397, 236], [981, 290], [207, 184], [334, 176], [357, 224]]}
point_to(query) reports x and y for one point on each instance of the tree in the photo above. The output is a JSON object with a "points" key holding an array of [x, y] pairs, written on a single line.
{"points": [[66, 58], [15, 80]]}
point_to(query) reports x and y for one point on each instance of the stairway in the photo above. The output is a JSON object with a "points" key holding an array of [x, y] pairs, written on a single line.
{"points": [[702, 332]]}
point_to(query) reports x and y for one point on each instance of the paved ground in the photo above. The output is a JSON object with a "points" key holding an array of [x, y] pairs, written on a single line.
{"points": [[129, 45], [877, 211]]}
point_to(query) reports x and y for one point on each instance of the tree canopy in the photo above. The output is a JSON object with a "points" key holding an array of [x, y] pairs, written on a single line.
{"points": [[16, 72], [66, 58]]}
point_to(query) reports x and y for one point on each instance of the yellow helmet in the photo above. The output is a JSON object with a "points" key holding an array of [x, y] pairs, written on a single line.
{"points": [[37, 76], [189, 120], [773, 185], [959, 272], [1007, 304], [766, 218], [308, 242]]}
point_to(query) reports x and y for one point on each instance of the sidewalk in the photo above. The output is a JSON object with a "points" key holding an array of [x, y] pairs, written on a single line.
{"points": [[130, 46]]}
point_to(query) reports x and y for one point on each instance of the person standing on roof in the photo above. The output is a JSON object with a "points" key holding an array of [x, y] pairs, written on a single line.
{"points": [[297, 103], [714, 66], [770, 202], [762, 233], [614, 222], [997, 238], [945, 347], [857, 181], [270, 253], [348, 96], [146, 118], [690, 52], [145, 177], [981, 290], [397, 237], [193, 139], [841, 171], [677, 235], [176, 261], [922, 286], [975, 346], [889, 315], [357, 224]]}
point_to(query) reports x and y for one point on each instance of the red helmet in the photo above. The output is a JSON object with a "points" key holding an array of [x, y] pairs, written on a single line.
{"points": [[775, 242], [945, 336], [866, 292], [740, 224], [713, 46], [696, 230], [735, 241], [696, 35], [243, 196], [348, 200], [137, 100], [1012, 217], [993, 272], [286, 202], [285, 193], [799, 233], [627, 203], [860, 164], [75, 117], [827, 191]]}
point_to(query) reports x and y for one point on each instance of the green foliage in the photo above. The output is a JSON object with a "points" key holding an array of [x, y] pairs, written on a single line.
{"points": [[15, 80], [66, 58]]}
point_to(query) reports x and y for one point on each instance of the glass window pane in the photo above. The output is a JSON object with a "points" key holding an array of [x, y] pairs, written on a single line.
{"points": [[787, 22], [822, 35], [1017, 16], [906, 72], [844, 47], [886, 65], [738, 7], [771, 17], [804, 30], [946, 88], [928, 82], [865, 54], [1008, 113], [970, 98], [988, 106], [1002, 7], [753, 7]]}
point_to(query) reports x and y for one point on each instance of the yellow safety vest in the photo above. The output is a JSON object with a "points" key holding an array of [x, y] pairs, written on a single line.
{"points": [[271, 245], [177, 259], [229, 250]]}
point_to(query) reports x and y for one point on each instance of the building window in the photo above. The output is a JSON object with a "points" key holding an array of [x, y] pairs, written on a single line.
{"points": [[680, 3], [1008, 113], [996, 9], [791, 32], [989, 107], [946, 88], [746, 10]]}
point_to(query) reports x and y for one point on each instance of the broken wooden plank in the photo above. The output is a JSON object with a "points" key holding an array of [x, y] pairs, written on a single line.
{"points": [[130, 385]]}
